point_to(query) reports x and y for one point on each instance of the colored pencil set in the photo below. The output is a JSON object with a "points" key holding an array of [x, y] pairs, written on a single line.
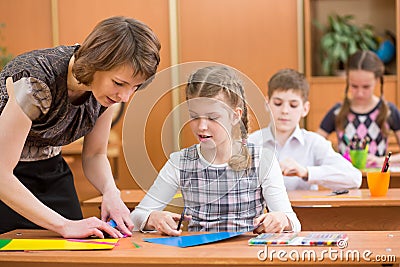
{"points": [[357, 143]]}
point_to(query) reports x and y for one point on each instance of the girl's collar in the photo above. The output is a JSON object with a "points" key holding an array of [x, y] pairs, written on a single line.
{"points": [[206, 161]]}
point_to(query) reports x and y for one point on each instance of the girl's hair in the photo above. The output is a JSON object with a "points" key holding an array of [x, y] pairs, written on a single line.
{"points": [[116, 41], [367, 61], [212, 81]]}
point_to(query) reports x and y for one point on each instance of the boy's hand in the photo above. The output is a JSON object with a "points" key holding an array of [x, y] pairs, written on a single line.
{"points": [[290, 167], [165, 222]]}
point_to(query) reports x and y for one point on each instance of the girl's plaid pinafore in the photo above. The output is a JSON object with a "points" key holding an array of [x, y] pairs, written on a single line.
{"points": [[219, 198]]}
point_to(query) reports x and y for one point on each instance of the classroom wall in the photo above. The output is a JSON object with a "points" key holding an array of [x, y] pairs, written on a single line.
{"points": [[257, 37]]}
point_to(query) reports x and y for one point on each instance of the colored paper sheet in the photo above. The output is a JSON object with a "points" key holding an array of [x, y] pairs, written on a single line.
{"points": [[192, 240], [177, 195], [56, 244]]}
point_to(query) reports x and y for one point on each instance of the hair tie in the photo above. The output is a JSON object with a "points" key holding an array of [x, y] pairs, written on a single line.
{"points": [[244, 142]]}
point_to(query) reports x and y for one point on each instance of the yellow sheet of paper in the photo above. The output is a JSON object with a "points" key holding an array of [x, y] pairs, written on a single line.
{"points": [[58, 244]]}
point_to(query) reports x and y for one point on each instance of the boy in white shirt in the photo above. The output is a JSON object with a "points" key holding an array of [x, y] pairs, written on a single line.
{"points": [[307, 160]]}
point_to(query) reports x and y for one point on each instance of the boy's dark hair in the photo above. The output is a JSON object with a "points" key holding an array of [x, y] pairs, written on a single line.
{"points": [[289, 79], [116, 41]]}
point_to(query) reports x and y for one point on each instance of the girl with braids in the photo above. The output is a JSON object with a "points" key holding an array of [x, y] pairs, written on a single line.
{"points": [[364, 115], [226, 182], [307, 160]]}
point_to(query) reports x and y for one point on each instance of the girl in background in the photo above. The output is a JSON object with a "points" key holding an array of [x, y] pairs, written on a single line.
{"points": [[363, 115]]}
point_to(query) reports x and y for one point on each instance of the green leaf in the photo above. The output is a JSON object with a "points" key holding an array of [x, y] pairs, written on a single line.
{"points": [[343, 55], [352, 47], [371, 43], [326, 67], [336, 50], [319, 25], [368, 32], [344, 39], [327, 41], [336, 26], [347, 30], [5, 57], [363, 46]]}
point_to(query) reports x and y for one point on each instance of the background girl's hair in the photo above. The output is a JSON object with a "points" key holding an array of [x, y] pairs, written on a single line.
{"points": [[210, 82], [116, 41], [367, 61]]}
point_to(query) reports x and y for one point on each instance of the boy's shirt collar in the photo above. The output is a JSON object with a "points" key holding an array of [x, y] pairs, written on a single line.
{"points": [[297, 134]]}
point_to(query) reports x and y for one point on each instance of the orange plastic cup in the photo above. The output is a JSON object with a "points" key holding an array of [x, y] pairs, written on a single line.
{"points": [[378, 183]]}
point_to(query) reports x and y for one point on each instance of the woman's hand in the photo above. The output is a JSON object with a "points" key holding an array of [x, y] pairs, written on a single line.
{"points": [[165, 222], [88, 227], [114, 208], [271, 222]]}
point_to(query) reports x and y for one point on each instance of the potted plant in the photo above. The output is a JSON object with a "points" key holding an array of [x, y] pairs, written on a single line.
{"points": [[5, 57], [340, 39]]}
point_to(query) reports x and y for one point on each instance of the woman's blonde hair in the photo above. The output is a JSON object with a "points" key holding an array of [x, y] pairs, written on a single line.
{"points": [[210, 82], [116, 41]]}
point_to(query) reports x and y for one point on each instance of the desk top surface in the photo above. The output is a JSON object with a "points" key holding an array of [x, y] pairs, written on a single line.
{"points": [[235, 251], [356, 197]]}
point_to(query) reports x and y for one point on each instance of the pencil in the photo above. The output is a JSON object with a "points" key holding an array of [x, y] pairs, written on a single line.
{"points": [[385, 165], [181, 219]]}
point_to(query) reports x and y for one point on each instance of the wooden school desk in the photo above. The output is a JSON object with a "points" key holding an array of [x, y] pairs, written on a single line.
{"points": [[379, 245], [319, 212], [354, 211], [130, 197]]}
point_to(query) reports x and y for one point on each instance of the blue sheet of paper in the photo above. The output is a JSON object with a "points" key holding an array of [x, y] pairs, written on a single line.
{"points": [[192, 240]]}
